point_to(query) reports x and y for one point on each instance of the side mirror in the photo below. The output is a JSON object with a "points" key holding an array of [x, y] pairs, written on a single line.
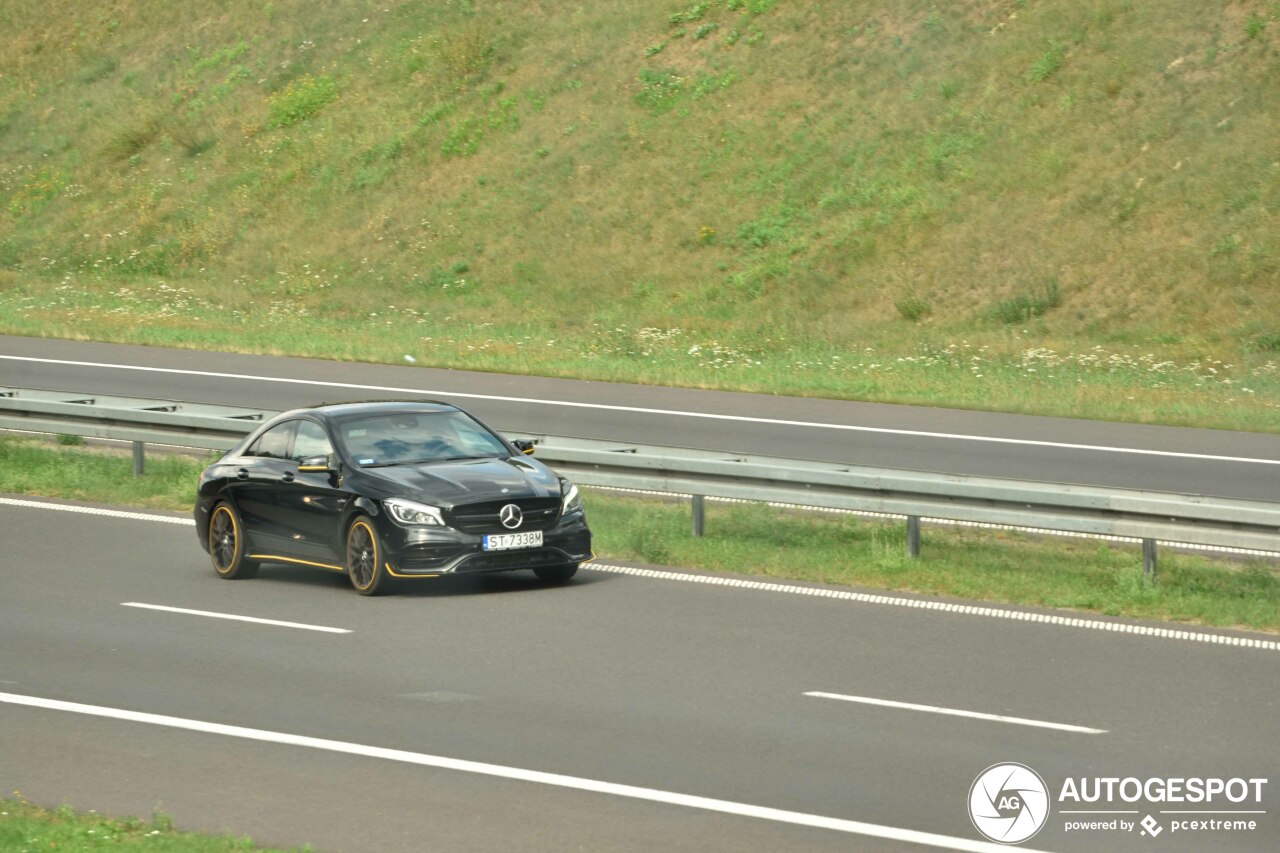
{"points": [[319, 464], [524, 445]]}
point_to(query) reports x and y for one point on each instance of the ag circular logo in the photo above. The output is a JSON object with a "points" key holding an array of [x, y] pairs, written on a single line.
{"points": [[1008, 803]]}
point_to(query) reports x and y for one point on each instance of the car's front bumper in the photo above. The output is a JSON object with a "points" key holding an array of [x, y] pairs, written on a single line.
{"points": [[426, 551], [201, 513]]}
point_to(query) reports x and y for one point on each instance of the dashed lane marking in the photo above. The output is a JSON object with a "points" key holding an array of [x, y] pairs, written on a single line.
{"points": [[235, 618]]}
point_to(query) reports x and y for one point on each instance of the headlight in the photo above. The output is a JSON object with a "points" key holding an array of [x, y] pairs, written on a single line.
{"points": [[410, 513], [572, 501]]}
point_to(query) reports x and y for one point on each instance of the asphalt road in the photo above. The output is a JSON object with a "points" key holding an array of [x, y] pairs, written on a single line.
{"points": [[1226, 464], [684, 689]]}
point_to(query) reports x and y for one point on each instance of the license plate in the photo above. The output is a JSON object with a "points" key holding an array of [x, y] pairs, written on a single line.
{"points": [[507, 541]]}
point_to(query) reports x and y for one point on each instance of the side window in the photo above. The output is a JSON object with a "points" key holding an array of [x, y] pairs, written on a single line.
{"points": [[274, 443], [310, 441]]}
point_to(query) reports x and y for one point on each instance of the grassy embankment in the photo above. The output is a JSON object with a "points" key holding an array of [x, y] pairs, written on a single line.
{"points": [[757, 540], [1056, 207], [26, 828]]}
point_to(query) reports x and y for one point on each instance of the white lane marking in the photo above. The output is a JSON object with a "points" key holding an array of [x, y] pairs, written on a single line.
{"points": [[93, 510], [819, 592], [943, 607], [276, 622], [647, 411], [729, 807], [931, 709]]}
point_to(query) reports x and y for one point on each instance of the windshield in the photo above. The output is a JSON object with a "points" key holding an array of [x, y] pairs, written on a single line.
{"points": [[418, 438]]}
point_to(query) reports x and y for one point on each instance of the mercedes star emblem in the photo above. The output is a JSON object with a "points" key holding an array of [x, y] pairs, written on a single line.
{"points": [[510, 516]]}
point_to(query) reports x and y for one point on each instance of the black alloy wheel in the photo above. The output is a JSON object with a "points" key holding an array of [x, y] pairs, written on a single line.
{"points": [[364, 558], [226, 544]]}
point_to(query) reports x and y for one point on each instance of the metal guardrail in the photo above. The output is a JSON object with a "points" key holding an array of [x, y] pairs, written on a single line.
{"points": [[127, 418], [1149, 516]]}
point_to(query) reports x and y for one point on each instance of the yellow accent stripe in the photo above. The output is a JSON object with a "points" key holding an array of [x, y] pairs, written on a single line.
{"points": [[396, 574], [276, 559], [308, 469]]}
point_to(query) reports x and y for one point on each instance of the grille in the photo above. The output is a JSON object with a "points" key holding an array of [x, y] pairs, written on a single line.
{"points": [[511, 560], [428, 556], [539, 514]]}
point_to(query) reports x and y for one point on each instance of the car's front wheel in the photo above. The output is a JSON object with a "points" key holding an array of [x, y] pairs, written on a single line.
{"points": [[556, 574], [364, 558], [226, 544]]}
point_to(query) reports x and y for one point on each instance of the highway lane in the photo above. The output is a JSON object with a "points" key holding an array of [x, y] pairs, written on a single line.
{"points": [[1229, 464], [674, 687]]}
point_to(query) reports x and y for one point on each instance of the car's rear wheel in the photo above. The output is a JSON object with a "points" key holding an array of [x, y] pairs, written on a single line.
{"points": [[556, 574], [364, 558], [227, 544]]}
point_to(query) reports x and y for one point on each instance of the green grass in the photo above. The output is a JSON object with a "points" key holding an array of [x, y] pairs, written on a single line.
{"points": [[761, 541], [27, 828], [32, 467], [300, 100], [788, 187], [969, 563]]}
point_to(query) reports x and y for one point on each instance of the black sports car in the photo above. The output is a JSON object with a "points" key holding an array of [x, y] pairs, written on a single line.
{"points": [[388, 490]]}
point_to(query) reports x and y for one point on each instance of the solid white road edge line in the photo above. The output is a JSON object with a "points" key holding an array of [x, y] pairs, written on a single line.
{"points": [[997, 718], [853, 827], [942, 606], [646, 411], [275, 622], [93, 510], [815, 591]]}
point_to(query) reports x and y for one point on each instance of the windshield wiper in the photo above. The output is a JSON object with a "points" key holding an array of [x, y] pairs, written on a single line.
{"points": [[427, 461], [399, 462]]}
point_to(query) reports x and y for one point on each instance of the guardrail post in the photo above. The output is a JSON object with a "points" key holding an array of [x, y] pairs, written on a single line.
{"points": [[913, 536], [699, 515], [1149, 559], [139, 458]]}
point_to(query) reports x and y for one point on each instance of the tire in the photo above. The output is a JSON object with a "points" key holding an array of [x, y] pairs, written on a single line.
{"points": [[226, 544], [365, 565], [556, 574]]}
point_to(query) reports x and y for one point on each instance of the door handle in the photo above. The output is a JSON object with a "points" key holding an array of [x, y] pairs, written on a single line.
{"points": [[287, 476], [242, 474]]}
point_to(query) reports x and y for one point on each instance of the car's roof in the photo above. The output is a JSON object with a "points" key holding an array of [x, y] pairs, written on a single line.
{"points": [[377, 407]]}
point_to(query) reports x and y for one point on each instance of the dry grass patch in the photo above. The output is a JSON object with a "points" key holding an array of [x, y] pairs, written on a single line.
{"points": [[772, 178]]}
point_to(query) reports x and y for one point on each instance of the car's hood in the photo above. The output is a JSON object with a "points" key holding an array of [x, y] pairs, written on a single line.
{"points": [[446, 484]]}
